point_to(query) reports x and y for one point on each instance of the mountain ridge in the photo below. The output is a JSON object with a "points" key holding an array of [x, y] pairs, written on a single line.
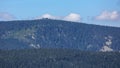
{"points": [[47, 33], [62, 21]]}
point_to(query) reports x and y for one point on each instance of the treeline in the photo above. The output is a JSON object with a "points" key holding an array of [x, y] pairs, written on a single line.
{"points": [[58, 58]]}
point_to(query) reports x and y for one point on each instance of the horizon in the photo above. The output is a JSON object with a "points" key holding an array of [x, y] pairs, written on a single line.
{"points": [[63, 20]]}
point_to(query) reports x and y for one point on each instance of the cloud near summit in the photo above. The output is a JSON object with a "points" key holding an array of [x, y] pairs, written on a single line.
{"points": [[6, 16], [73, 17], [70, 17], [109, 16]]}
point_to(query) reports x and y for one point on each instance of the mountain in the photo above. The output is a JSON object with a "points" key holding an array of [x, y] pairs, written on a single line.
{"points": [[47, 33]]}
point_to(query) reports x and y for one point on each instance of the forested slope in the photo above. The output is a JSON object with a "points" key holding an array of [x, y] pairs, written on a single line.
{"points": [[58, 58], [46, 33]]}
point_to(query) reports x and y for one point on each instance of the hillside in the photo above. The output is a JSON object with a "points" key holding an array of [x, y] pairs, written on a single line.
{"points": [[58, 58], [46, 33]]}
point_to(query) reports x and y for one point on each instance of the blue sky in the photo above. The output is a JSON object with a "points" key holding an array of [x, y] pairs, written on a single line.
{"points": [[102, 12]]}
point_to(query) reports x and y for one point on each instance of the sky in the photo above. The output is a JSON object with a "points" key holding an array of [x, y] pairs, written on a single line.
{"points": [[100, 12]]}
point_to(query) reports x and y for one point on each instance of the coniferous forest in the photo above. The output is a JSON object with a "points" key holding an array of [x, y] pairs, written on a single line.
{"points": [[59, 33], [50, 43], [58, 58], [47, 33]]}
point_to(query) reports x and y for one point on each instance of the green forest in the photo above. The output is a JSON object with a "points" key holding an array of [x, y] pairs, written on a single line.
{"points": [[58, 58]]}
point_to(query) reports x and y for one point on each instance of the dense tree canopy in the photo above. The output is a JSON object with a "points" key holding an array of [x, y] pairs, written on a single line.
{"points": [[46, 33], [58, 58]]}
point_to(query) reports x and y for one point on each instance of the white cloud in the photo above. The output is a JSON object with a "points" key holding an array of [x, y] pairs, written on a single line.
{"points": [[49, 16], [109, 16], [6, 16], [72, 17]]}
